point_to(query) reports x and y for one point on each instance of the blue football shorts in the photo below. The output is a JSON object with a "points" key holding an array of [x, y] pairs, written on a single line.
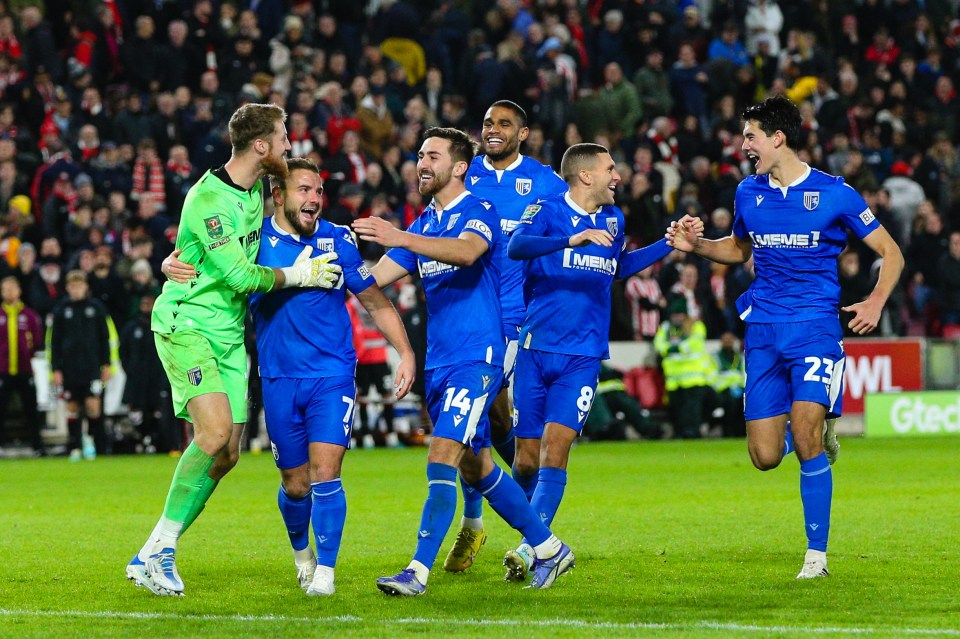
{"points": [[299, 412], [553, 388], [459, 400], [794, 361]]}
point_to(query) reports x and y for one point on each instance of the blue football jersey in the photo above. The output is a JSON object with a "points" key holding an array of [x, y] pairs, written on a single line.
{"points": [[511, 191], [305, 332], [797, 232], [568, 291], [463, 302]]}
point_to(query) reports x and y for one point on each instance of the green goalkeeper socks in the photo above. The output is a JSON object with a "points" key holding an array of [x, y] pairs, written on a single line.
{"points": [[209, 485], [191, 486]]}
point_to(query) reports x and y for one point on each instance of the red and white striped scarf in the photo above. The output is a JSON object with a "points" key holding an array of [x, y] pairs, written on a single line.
{"points": [[155, 183], [645, 321]]}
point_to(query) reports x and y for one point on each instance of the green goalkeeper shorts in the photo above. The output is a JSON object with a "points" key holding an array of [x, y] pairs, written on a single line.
{"points": [[196, 366]]}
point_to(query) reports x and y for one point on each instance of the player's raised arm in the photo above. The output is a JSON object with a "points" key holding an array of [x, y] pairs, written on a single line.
{"points": [[387, 319], [867, 313], [458, 251]]}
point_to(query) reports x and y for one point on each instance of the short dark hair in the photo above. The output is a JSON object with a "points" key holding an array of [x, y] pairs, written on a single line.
{"points": [[463, 148], [777, 113], [253, 121], [513, 106], [577, 157]]}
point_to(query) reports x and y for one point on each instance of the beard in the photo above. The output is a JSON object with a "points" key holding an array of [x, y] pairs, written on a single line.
{"points": [[293, 217], [273, 166], [437, 183], [508, 148]]}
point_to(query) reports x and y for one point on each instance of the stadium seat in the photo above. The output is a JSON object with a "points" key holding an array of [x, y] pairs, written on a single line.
{"points": [[645, 383], [951, 331]]}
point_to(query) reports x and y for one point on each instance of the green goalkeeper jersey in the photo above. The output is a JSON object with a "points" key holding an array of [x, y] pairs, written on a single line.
{"points": [[220, 235]]}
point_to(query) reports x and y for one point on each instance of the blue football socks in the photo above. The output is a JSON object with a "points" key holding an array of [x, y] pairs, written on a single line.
{"points": [[437, 512], [816, 493], [296, 517], [508, 501], [550, 486], [472, 500], [329, 517]]}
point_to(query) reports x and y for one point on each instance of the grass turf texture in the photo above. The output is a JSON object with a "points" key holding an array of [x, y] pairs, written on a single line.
{"points": [[673, 539]]}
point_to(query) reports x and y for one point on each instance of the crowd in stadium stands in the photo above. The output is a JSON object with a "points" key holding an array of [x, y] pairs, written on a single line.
{"points": [[110, 110]]}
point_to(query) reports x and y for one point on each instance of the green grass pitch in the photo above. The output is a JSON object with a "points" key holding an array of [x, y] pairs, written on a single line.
{"points": [[673, 539]]}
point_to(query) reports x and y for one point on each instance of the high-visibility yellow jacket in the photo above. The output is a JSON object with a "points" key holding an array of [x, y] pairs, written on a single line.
{"points": [[686, 362]]}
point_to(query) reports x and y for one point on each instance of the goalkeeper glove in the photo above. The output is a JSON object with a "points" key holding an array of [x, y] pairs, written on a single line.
{"points": [[312, 272]]}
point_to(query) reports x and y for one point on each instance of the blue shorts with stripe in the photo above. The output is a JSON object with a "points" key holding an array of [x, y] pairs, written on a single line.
{"points": [[793, 361], [551, 387], [299, 412], [459, 400]]}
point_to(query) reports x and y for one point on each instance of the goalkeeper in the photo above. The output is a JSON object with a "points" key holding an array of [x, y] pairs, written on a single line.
{"points": [[198, 324]]}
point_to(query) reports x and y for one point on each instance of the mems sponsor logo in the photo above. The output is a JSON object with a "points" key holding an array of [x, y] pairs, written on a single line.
{"points": [[434, 268], [785, 240], [507, 226], [579, 261]]}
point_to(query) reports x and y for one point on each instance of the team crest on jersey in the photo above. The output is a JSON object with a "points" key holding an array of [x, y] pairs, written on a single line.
{"points": [[612, 226], [325, 244], [523, 186], [194, 376], [530, 212], [811, 199], [214, 227], [453, 221]]}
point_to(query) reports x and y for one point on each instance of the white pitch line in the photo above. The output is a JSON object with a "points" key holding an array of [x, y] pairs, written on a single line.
{"points": [[542, 623]]}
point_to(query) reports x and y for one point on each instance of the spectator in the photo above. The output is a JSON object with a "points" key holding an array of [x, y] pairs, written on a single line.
{"points": [[728, 384], [763, 19], [949, 294], [621, 103], [653, 86], [39, 47], [21, 337], [855, 286], [148, 175], [376, 122], [142, 56], [687, 368], [689, 84], [646, 303], [107, 287], [905, 196]]}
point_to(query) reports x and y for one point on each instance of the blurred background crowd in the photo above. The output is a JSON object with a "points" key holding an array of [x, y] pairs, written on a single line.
{"points": [[110, 110]]}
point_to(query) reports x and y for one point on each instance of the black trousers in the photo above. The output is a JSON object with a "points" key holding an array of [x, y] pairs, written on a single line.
{"points": [[23, 386]]}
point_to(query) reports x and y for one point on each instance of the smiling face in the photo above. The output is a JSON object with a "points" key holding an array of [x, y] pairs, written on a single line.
{"points": [[434, 167], [300, 201], [502, 134], [760, 148], [604, 179]]}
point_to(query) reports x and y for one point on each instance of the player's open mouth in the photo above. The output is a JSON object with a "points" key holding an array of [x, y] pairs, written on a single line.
{"points": [[425, 177], [755, 159], [494, 142]]}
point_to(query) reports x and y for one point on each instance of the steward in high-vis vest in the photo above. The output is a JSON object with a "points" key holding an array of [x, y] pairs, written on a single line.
{"points": [[728, 382], [687, 368]]}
